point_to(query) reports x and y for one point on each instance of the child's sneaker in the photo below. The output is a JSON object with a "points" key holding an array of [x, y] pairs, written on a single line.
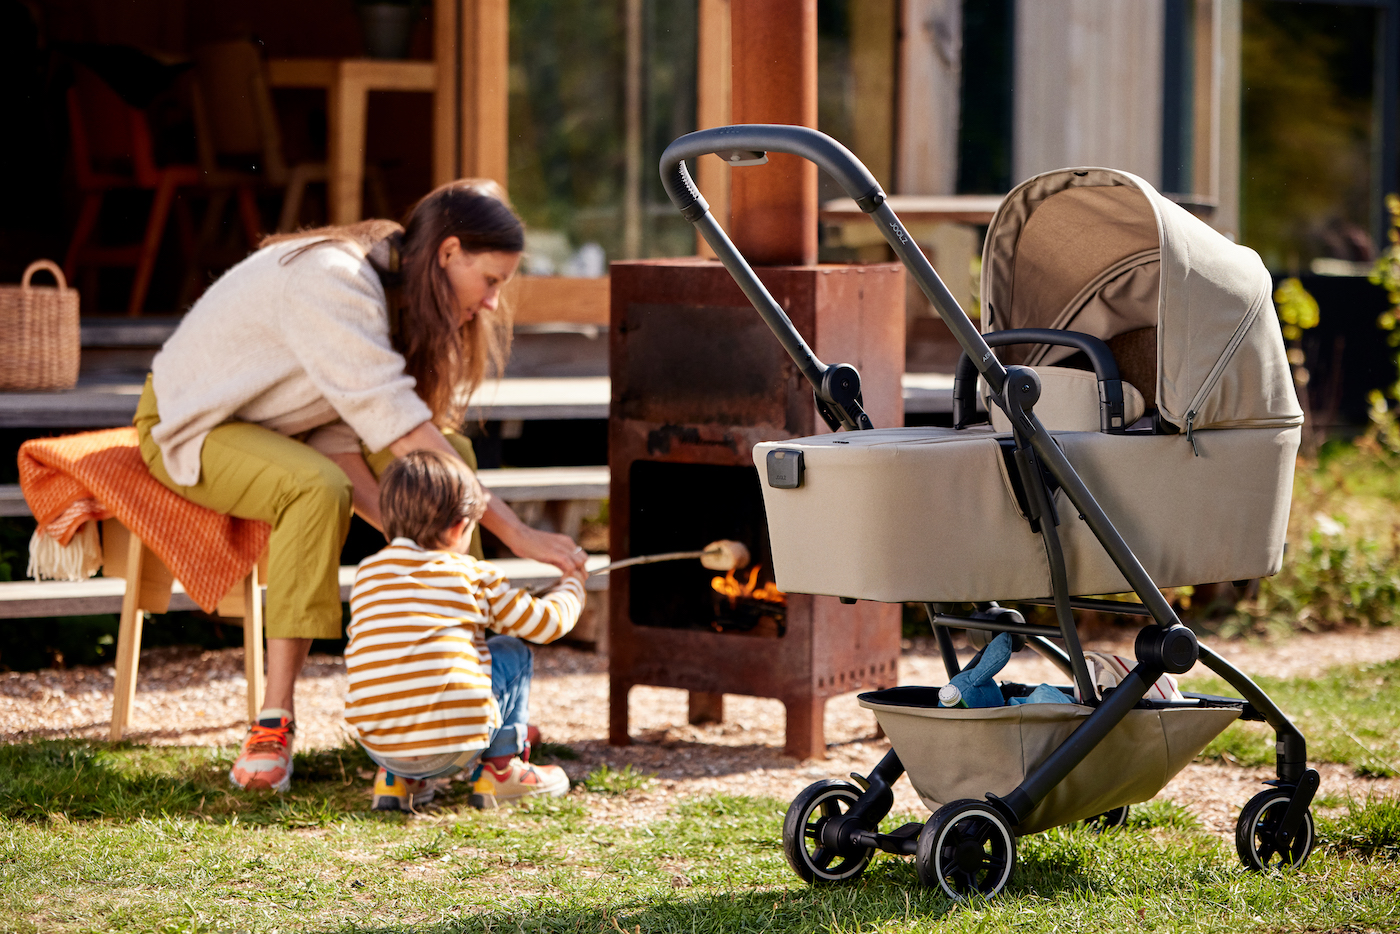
{"points": [[492, 787], [265, 762], [396, 793]]}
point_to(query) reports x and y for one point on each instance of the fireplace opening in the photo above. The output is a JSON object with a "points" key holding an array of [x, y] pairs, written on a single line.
{"points": [[678, 507]]}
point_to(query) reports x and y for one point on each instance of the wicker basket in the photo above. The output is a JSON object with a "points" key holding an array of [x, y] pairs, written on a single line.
{"points": [[39, 340]]}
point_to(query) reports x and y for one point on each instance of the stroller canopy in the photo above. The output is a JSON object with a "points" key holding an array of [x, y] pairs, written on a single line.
{"points": [[1188, 313]]}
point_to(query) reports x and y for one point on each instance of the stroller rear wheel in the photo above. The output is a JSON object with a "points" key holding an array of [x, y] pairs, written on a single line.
{"points": [[813, 860], [1259, 821], [966, 849]]}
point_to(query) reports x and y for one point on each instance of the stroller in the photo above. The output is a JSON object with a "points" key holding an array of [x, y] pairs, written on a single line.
{"points": [[1142, 372]]}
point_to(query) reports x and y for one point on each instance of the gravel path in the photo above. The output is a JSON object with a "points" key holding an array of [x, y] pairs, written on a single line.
{"points": [[197, 698]]}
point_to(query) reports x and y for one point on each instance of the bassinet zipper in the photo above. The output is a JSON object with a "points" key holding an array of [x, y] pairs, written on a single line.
{"points": [[1217, 371]]}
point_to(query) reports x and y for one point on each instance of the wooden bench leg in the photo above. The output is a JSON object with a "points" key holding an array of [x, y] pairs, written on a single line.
{"points": [[253, 642], [128, 639]]}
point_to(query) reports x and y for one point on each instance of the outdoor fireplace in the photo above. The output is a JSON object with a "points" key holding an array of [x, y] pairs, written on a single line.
{"points": [[697, 380]]}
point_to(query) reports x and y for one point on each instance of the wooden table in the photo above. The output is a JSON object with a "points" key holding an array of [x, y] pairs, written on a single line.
{"points": [[921, 209], [944, 226], [347, 82]]}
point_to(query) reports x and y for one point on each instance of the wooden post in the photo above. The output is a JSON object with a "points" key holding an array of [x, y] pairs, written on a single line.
{"points": [[1215, 155], [484, 89], [446, 139], [931, 69], [128, 638], [874, 30], [1203, 101], [632, 136], [774, 207], [713, 107], [1229, 20]]}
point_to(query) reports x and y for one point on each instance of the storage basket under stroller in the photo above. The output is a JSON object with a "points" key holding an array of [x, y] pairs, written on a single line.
{"points": [[1142, 434], [999, 746]]}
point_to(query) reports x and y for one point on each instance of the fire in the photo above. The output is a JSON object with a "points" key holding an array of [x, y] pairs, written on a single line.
{"points": [[729, 586]]}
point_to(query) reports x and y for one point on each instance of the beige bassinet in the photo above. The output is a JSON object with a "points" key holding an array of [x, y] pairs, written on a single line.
{"points": [[931, 514]]}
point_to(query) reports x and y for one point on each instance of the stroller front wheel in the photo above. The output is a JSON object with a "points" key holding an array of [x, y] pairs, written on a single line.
{"points": [[814, 860], [1254, 833], [966, 849]]}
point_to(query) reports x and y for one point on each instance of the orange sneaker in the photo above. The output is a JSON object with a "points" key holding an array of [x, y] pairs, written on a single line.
{"points": [[493, 787], [265, 763]]}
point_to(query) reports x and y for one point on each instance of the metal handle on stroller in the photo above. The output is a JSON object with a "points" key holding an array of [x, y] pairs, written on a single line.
{"points": [[748, 144], [1100, 357]]}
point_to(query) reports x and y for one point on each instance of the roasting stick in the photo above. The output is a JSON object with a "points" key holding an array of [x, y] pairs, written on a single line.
{"points": [[722, 555]]}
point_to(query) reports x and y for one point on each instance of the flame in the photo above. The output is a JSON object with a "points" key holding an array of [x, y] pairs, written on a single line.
{"points": [[729, 586]]}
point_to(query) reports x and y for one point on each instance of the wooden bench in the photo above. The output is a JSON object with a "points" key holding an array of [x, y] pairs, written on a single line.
{"points": [[110, 401], [512, 484], [136, 582]]}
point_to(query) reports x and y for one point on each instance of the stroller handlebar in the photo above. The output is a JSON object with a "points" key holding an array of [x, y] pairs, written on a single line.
{"points": [[748, 144]]}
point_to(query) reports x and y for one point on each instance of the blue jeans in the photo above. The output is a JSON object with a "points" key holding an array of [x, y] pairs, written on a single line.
{"points": [[512, 667]]}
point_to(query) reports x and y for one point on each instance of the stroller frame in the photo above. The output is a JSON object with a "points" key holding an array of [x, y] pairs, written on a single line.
{"points": [[843, 820]]}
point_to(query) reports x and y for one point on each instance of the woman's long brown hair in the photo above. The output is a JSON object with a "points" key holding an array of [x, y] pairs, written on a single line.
{"points": [[447, 360]]}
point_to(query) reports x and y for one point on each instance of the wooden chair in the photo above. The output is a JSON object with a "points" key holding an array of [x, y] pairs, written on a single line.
{"points": [[112, 149], [240, 145], [148, 583]]}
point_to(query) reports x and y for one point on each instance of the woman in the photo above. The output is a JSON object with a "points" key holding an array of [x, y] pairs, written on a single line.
{"points": [[302, 373]]}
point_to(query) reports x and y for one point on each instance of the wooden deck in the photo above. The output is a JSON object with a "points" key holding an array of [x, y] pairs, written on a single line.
{"points": [[514, 485], [110, 401], [27, 599]]}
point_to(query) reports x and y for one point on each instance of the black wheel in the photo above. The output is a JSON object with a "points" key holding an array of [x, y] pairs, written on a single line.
{"points": [[1118, 817], [1254, 833], [802, 844], [966, 849]]}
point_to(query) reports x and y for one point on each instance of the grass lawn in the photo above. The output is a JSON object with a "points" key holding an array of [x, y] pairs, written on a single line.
{"points": [[102, 837]]}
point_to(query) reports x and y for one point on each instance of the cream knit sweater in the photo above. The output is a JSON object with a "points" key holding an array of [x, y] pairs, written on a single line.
{"points": [[290, 346]]}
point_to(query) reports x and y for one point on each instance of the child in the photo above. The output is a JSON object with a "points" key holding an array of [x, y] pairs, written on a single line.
{"points": [[429, 694]]}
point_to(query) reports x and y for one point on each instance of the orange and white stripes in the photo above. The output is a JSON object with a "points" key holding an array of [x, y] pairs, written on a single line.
{"points": [[419, 664]]}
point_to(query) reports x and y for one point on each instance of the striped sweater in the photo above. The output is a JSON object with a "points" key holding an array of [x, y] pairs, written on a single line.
{"points": [[419, 663]]}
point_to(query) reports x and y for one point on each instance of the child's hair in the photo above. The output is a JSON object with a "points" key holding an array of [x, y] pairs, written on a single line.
{"points": [[425, 493]]}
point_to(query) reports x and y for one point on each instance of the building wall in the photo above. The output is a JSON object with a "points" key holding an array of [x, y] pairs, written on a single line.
{"points": [[1088, 86]]}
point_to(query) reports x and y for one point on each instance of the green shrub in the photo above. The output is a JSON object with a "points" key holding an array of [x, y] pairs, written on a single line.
{"points": [[1331, 581], [1342, 567]]}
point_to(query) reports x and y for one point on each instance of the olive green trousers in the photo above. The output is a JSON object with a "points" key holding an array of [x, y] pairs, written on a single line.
{"points": [[252, 472]]}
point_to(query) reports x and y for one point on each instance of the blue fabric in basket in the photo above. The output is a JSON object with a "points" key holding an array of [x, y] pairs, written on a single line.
{"points": [[975, 681]]}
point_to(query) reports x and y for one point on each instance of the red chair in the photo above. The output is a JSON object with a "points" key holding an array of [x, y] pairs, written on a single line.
{"points": [[112, 150]]}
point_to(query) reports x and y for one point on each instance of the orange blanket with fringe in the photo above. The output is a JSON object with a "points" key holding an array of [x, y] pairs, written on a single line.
{"points": [[206, 551]]}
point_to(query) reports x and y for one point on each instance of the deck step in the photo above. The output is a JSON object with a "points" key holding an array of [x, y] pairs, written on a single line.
{"points": [[22, 599]]}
